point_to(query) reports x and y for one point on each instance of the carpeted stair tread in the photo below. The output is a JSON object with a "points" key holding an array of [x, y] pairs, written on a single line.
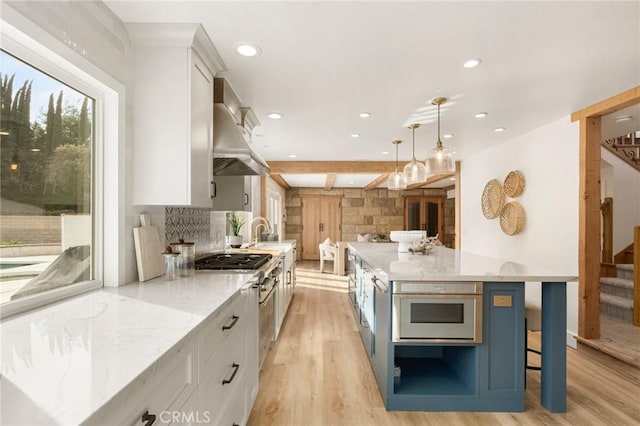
{"points": [[617, 282], [616, 300]]}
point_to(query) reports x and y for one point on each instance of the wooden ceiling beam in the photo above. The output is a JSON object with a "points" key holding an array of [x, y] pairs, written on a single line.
{"points": [[612, 104], [280, 181], [430, 180], [377, 181], [330, 180], [338, 167]]}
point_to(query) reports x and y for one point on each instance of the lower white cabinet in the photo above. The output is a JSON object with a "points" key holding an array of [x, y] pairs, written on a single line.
{"points": [[158, 394], [209, 378], [228, 370]]}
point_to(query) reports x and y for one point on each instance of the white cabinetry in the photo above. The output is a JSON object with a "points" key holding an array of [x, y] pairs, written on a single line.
{"points": [[228, 361], [174, 65], [285, 288], [165, 388], [232, 193]]}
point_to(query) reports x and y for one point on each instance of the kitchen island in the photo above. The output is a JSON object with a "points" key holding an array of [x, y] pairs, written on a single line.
{"points": [[484, 372]]}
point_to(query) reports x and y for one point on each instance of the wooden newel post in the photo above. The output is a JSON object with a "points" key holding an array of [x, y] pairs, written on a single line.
{"points": [[636, 276]]}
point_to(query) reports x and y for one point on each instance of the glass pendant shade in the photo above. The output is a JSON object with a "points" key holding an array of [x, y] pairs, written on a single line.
{"points": [[440, 159], [396, 179], [414, 172]]}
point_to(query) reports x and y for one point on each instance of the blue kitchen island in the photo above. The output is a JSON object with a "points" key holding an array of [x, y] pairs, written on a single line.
{"points": [[446, 331]]}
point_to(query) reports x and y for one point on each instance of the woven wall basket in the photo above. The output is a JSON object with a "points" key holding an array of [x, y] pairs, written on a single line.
{"points": [[512, 218], [492, 199], [513, 184]]}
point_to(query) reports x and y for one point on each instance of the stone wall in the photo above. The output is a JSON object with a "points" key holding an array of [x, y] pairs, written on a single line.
{"points": [[363, 211]]}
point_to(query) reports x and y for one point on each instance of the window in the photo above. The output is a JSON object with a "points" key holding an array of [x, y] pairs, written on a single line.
{"points": [[47, 176], [274, 213]]}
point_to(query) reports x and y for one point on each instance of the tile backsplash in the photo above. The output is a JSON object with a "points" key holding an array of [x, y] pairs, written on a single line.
{"points": [[191, 224]]}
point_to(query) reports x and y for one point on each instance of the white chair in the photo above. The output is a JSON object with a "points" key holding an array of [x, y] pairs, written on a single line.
{"points": [[328, 252]]}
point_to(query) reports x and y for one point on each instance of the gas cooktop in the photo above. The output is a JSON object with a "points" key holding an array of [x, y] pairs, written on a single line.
{"points": [[225, 261]]}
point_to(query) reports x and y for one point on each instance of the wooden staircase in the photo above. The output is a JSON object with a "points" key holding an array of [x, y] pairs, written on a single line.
{"points": [[626, 147], [616, 294]]}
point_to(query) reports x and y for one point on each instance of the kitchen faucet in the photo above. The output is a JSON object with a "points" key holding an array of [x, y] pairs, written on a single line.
{"points": [[254, 231]]}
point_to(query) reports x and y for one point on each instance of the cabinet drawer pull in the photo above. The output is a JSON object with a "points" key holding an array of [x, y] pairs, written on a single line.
{"points": [[234, 320], [246, 199], [235, 424], [214, 187], [148, 419], [236, 367], [288, 277]]}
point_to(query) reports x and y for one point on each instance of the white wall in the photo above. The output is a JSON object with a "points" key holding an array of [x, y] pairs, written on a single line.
{"points": [[548, 159], [274, 188], [621, 182]]}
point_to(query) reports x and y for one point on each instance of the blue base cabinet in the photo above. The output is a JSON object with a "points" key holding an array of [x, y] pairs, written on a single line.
{"points": [[455, 377]]}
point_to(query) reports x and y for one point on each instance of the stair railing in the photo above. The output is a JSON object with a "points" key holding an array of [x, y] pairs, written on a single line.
{"points": [[606, 208], [636, 276], [626, 148]]}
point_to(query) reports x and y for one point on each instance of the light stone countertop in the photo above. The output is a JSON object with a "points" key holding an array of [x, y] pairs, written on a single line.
{"points": [[445, 264], [62, 362]]}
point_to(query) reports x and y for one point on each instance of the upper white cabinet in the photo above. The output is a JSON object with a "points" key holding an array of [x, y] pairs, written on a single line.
{"points": [[174, 65], [233, 193]]}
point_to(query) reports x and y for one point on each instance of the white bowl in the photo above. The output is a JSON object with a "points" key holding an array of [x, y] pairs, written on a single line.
{"points": [[406, 238]]}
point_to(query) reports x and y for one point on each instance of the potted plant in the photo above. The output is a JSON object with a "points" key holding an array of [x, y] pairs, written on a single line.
{"points": [[236, 223]]}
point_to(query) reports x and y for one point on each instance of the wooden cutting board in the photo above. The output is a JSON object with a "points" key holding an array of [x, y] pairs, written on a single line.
{"points": [[148, 249]]}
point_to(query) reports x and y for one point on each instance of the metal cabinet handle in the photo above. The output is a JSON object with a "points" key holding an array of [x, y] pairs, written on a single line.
{"points": [[214, 187], [288, 277], [380, 286], [236, 367], [246, 199], [234, 320], [148, 419]]}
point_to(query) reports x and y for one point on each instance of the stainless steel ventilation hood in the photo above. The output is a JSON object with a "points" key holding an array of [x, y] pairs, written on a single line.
{"points": [[232, 125]]}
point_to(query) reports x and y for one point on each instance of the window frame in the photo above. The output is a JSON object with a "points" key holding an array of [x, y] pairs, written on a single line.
{"points": [[107, 101]]}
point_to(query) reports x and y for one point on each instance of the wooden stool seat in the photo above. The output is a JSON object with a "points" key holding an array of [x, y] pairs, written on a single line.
{"points": [[532, 322]]}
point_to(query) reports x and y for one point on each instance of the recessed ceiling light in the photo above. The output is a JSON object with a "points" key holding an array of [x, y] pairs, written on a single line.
{"points": [[247, 49], [355, 135], [292, 156], [499, 129], [447, 135], [350, 182], [365, 114], [623, 118], [472, 63], [274, 115], [35, 149], [452, 178], [480, 114], [385, 152]]}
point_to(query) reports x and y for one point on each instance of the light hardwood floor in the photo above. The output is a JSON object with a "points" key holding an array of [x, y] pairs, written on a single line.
{"points": [[318, 374]]}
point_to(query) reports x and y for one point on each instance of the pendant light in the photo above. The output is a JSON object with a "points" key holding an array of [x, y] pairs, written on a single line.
{"points": [[396, 179], [440, 159], [414, 171]]}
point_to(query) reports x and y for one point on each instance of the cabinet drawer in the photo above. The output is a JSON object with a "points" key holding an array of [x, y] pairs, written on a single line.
{"points": [[230, 321], [222, 375], [165, 387], [234, 414]]}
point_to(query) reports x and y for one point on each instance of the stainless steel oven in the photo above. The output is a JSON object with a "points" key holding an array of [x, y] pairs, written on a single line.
{"points": [[437, 312]]}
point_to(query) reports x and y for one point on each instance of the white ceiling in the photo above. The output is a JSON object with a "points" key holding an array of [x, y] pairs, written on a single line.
{"points": [[322, 63]]}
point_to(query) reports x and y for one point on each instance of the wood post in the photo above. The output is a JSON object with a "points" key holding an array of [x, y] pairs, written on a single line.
{"points": [[589, 229], [458, 225], [636, 276]]}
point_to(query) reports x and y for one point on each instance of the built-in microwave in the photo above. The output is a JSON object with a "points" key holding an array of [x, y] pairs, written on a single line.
{"points": [[437, 312]]}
